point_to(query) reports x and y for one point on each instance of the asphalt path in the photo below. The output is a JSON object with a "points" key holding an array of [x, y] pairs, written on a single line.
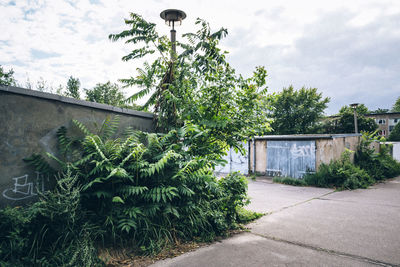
{"points": [[306, 226]]}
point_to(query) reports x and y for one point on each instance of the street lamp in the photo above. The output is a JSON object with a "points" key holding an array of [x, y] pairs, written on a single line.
{"points": [[354, 107], [173, 17]]}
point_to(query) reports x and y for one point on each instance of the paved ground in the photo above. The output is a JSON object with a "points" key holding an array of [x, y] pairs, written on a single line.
{"points": [[311, 227]]}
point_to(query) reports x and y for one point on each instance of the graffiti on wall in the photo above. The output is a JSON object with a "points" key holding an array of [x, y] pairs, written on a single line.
{"points": [[290, 158], [24, 187]]}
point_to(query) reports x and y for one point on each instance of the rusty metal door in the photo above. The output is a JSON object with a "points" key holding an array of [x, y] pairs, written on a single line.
{"points": [[290, 158]]}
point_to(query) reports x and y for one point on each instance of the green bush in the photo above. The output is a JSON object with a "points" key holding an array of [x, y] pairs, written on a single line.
{"points": [[143, 191], [340, 174], [378, 165], [51, 232]]}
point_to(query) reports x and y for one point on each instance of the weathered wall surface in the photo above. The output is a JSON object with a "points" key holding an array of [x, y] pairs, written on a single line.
{"points": [[29, 121], [261, 156], [332, 149]]}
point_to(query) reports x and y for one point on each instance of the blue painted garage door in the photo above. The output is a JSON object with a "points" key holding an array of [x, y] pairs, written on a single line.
{"points": [[290, 158]]}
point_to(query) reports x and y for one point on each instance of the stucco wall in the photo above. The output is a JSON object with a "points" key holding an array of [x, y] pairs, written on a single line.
{"points": [[332, 149], [29, 121]]}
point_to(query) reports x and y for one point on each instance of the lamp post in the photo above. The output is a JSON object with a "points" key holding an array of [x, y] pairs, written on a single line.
{"points": [[354, 107], [173, 17]]}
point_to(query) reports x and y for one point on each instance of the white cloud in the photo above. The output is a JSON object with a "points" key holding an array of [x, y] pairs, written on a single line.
{"points": [[345, 48]]}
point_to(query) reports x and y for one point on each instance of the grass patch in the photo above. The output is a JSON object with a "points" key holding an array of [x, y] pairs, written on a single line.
{"points": [[289, 181]]}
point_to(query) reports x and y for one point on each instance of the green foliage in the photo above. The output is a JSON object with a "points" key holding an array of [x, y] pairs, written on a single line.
{"points": [[147, 190], [378, 165], [395, 133], [199, 89], [396, 106], [7, 78], [106, 93], [72, 89], [340, 174], [296, 112], [345, 122], [51, 232], [246, 216], [234, 187], [289, 181]]}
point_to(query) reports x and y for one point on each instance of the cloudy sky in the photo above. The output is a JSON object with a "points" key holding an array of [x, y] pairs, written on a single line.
{"points": [[349, 50]]}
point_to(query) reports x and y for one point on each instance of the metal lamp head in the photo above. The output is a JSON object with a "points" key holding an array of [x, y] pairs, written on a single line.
{"points": [[354, 105], [173, 17]]}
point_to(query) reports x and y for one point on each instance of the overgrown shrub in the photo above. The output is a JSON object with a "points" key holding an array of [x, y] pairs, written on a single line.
{"points": [[378, 165], [340, 174], [51, 232], [144, 191]]}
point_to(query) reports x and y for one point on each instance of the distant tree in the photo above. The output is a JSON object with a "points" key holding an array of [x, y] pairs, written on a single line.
{"points": [[106, 93], [345, 121], [72, 89], [396, 106], [380, 110], [7, 78], [296, 112], [395, 133]]}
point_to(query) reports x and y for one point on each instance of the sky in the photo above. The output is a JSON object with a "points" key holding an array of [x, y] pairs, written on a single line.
{"points": [[348, 50]]}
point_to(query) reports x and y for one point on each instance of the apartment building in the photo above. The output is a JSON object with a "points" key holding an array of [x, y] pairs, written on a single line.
{"points": [[385, 121]]}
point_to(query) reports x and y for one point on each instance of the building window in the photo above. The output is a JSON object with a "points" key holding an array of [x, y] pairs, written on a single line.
{"points": [[381, 121], [382, 132], [396, 120], [391, 128]]}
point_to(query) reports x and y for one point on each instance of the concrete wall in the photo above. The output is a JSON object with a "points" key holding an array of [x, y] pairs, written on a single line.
{"points": [[29, 121], [332, 149]]}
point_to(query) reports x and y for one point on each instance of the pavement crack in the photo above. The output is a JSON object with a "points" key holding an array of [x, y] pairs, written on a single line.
{"points": [[299, 203], [329, 251]]}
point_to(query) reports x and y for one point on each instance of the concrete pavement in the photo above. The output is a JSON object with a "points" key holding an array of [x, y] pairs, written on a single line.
{"points": [[311, 227]]}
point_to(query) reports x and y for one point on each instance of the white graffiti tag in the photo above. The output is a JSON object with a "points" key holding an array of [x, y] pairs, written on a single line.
{"points": [[23, 188], [302, 151]]}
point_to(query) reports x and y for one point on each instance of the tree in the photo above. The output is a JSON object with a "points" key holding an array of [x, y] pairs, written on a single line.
{"points": [[380, 110], [199, 89], [72, 89], [296, 112], [396, 106], [106, 93], [395, 133], [7, 78], [344, 123]]}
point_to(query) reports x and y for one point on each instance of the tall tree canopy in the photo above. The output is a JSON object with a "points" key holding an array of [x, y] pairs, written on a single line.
{"points": [[106, 93], [198, 89], [296, 111]]}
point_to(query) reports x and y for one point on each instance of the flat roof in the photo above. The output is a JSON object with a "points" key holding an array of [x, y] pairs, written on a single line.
{"points": [[69, 100], [304, 136]]}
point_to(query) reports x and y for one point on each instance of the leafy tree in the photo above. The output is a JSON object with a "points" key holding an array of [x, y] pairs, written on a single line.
{"points": [[106, 93], [7, 78], [395, 133], [380, 110], [73, 85], [296, 112], [396, 106], [198, 88], [344, 123]]}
